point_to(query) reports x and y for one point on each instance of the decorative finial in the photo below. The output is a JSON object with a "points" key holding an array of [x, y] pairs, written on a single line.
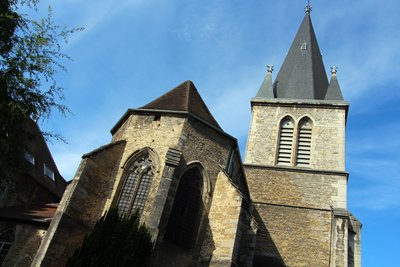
{"points": [[334, 70], [308, 8], [270, 68]]}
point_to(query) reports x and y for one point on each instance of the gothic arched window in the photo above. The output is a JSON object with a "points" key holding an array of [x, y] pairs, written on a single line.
{"points": [[136, 186], [6, 240], [303, 155], [285, 146], [187, 210]]}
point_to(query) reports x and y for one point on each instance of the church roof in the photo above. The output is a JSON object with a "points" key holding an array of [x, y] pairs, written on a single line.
{"points": [[334, 92], [266, 89], [302, 75], [184, 97]]}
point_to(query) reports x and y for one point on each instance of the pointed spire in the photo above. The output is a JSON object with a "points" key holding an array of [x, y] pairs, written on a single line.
{"points": [[266, 89], [302, 75], [334, 92]]}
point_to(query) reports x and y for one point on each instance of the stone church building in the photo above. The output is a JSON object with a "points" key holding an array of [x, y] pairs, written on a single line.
{"points": [[284, 205]]}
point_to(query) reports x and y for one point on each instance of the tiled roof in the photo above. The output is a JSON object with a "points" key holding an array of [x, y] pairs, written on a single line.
{"points": [[184, 97], [37, 213]]}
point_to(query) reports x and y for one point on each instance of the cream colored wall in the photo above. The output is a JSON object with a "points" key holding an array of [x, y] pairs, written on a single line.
{"points": [[224, 220], [328, 133], [142, 131]]}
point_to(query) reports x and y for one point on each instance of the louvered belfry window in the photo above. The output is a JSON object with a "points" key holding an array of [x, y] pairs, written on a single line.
{"points": [[137, 185], [285, 146], [304, 143]]}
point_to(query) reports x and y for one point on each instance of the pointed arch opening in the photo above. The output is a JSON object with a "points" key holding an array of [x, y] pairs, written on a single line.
{"points": [[304, 134], [138, 177], [285, 143], [6, 240], [185, 217]]}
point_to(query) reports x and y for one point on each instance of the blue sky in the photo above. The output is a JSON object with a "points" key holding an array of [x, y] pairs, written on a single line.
{"points": [[132, 51]]}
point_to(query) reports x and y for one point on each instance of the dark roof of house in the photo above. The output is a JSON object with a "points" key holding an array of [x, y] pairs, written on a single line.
{"points": [[33, 213], [184, 97], [302, 75]]}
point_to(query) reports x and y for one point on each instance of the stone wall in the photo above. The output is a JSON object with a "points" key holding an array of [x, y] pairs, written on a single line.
{"points": [[340, 242], [81, 206], [142, 131], [304, 188], [294, 214], [224, 221], [293, 236], [209, 149], [328, 132]]}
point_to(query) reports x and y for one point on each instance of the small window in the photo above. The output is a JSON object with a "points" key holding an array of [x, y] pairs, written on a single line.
{"points": [[29, 157], [304, 46], [6, 240], [157, 117], [48, 172]]}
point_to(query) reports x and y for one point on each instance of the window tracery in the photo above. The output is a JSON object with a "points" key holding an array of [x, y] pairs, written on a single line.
{"points": [[137, 186]]}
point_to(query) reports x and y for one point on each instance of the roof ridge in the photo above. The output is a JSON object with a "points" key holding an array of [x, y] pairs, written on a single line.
{"points": [[188, 84], [184, 97]]}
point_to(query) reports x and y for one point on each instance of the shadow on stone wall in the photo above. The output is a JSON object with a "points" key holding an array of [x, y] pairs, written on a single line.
{"points": [[82, 205], [168, 254], [269, 256]]}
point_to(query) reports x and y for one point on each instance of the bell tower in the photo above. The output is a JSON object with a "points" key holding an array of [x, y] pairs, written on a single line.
{"points": [[295, 163]]}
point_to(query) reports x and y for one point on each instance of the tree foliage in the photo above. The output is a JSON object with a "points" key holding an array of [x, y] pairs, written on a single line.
{"points": [[30, 56], [115, 240]]}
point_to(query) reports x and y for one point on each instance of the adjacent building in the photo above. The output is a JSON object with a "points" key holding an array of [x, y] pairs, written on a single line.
{"points": [[28, 200]]}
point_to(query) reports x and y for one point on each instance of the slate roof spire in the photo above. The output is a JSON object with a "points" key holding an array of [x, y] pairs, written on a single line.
{"points": [[334, 92], [302, 75], [266, 89]]}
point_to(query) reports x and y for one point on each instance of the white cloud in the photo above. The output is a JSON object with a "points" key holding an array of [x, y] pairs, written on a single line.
{"points": [[87, 14]]}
